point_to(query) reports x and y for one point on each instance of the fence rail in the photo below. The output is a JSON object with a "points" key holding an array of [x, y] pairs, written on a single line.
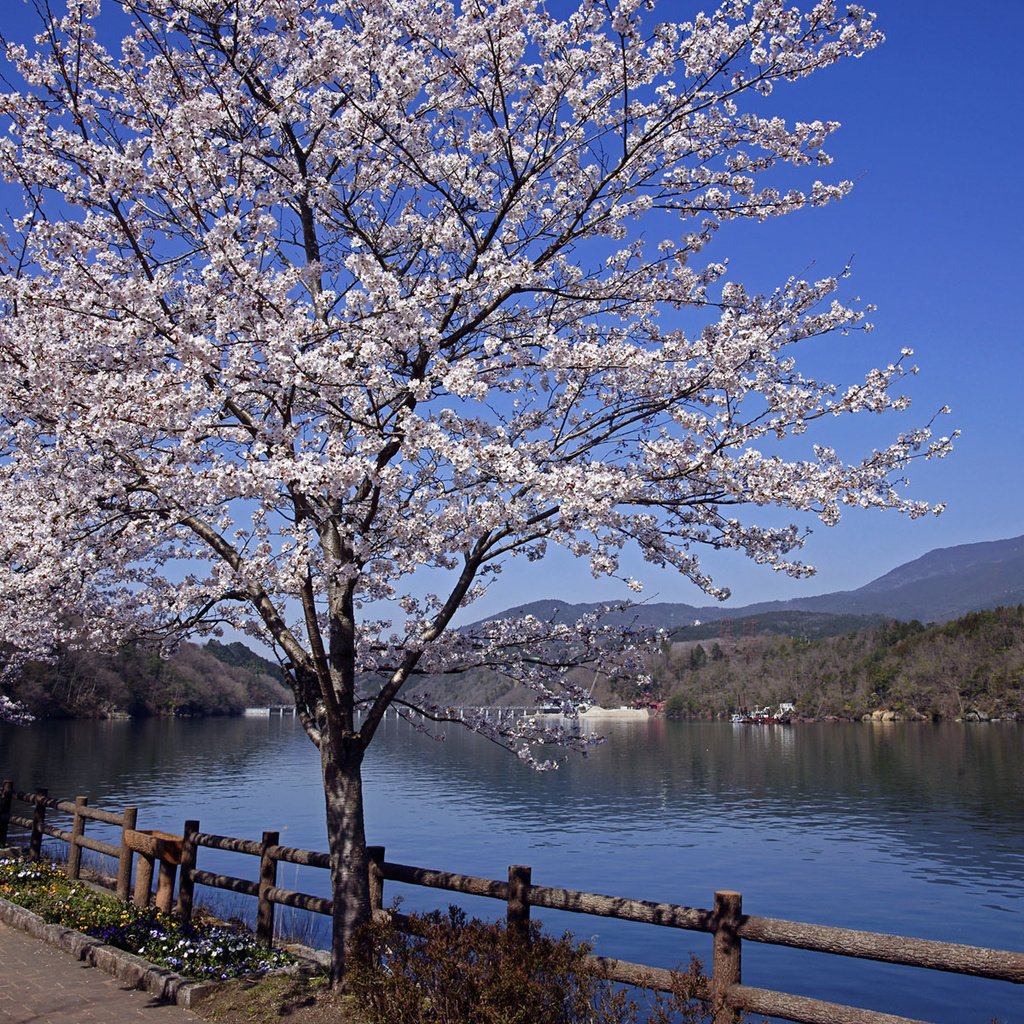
{"points": [[725, 921]]}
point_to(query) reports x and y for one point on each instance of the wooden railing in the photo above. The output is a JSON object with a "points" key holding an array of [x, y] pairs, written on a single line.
{"points": [[724, 991], [76, 839]]}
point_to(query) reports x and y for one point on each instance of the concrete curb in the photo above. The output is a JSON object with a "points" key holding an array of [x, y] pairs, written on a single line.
{"points": [[126, 967]]}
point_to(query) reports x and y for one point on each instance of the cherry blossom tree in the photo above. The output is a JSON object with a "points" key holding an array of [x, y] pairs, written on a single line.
{"points": [[312, 301]]}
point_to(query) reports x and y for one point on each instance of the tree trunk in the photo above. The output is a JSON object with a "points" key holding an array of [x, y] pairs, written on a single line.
{"points": [[341, 759]]}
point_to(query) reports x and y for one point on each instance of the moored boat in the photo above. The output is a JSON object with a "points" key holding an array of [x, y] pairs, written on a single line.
{"points": [[782, 715]]}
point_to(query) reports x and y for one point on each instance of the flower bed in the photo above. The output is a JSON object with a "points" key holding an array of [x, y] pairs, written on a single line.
{"points": [[204, 950]]}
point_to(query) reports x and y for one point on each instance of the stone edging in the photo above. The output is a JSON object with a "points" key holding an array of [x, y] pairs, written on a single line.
{"points": [[128, 968]]}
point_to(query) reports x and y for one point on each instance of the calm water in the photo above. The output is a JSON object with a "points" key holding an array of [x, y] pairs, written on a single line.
{"points": [[911, 829]]}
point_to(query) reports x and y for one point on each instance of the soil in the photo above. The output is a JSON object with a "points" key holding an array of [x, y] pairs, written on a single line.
{"points": [[283, 998]]}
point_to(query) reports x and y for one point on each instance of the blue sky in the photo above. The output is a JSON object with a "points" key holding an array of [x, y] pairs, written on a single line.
{"points": [[932, 133], [933, 123]]}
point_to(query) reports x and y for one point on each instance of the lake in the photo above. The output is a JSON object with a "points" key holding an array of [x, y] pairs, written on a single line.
{"points": [[914, 829]]}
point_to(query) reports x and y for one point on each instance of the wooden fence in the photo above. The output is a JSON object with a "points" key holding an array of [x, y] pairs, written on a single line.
{"points": [[724, 991], [76, 839]]}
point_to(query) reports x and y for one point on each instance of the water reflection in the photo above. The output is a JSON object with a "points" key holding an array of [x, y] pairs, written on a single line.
{"points": [[914, 829]]}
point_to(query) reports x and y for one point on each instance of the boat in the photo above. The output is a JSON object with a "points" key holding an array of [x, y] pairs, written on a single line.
{"points": [[782, 715], [551, 708]]}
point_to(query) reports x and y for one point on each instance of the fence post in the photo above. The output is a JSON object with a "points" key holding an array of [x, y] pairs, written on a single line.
{"points": [[186, 884], [35, 845], [77, 831], [518, 910], [6, 793], [268, 878], [375, 855], [725, 970], [164, 898], [124, 860], [144, 866]]}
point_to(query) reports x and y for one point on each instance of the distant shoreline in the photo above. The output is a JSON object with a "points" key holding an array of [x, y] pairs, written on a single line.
{"points": [[885, 718], [882, 717]]}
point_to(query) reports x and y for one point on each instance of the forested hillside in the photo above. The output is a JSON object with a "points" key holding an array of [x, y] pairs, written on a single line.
{"points": [[971, 666], [216, 679]]}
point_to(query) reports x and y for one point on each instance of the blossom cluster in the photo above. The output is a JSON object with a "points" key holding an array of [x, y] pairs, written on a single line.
{"points": [[13, 711]]}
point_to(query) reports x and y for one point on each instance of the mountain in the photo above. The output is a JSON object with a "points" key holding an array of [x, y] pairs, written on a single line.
{"points": [[937, 587], [805, 625], [942, 585]]}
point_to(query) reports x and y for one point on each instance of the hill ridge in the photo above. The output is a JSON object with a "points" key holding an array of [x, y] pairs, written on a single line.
{"points": [[939, 586]]}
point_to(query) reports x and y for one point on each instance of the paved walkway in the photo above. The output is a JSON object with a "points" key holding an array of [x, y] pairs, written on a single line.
{"points": [[43, 985]]}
